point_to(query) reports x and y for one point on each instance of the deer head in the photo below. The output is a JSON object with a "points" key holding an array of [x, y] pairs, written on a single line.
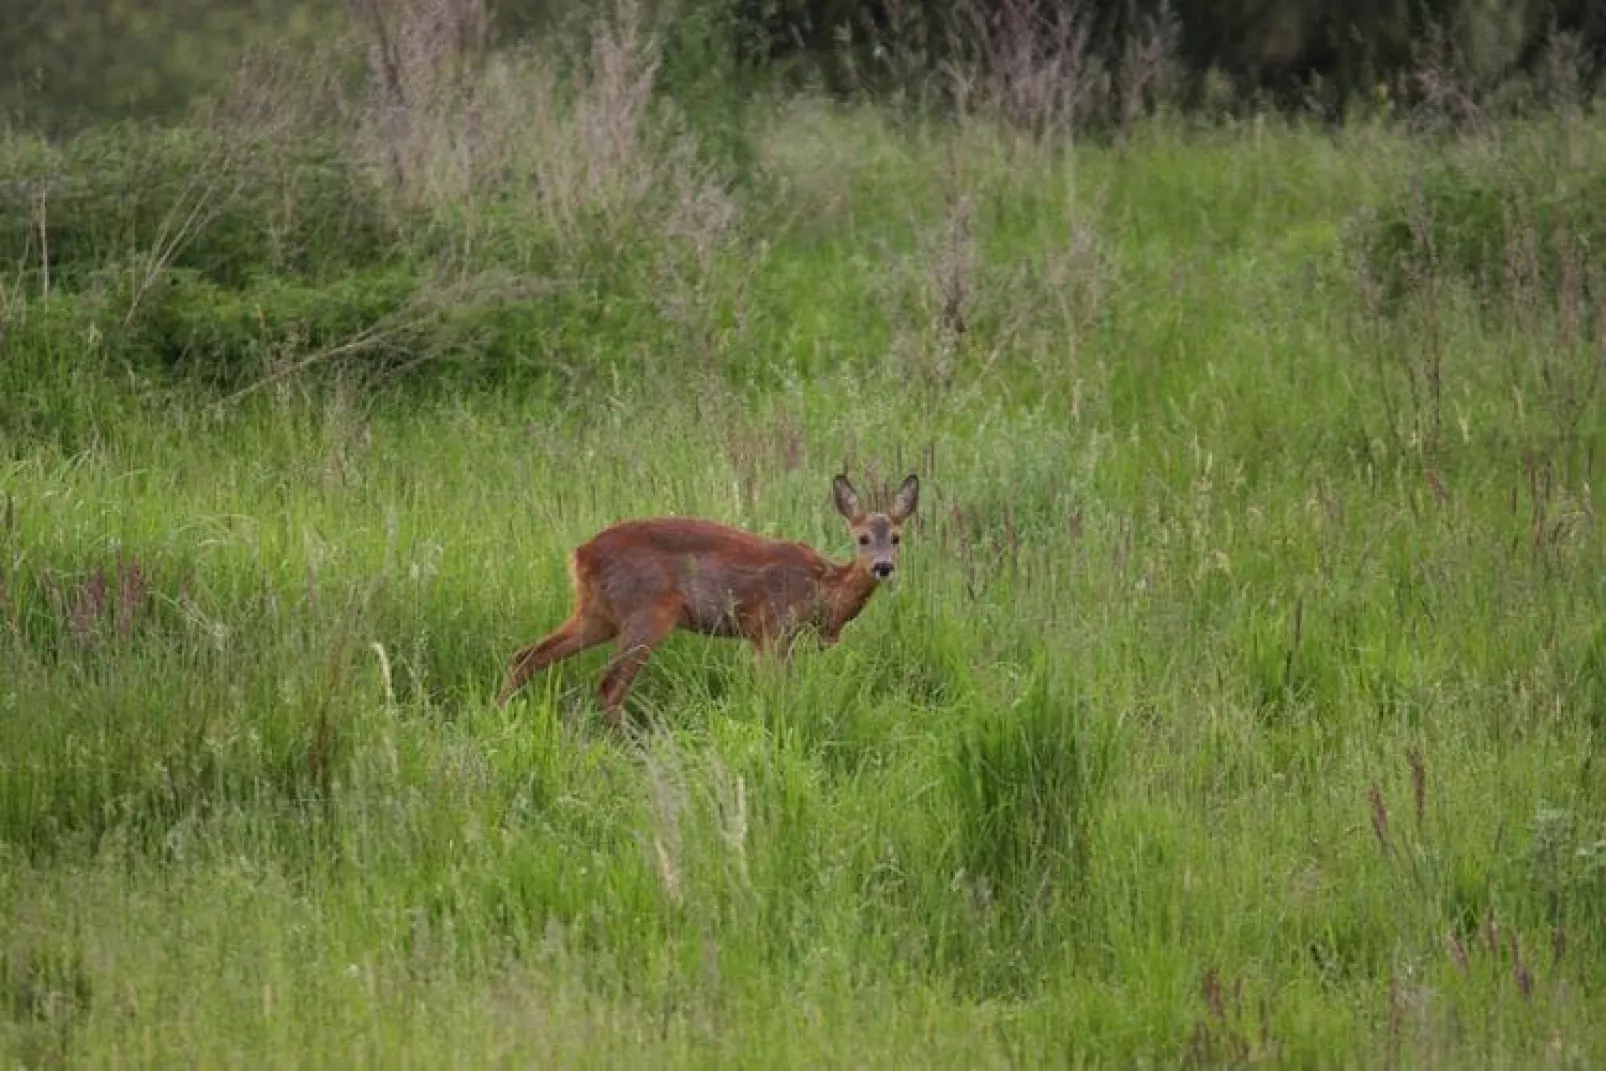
{"points": [[876, 535]]}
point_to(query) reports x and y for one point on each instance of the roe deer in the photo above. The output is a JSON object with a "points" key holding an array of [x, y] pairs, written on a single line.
{"points": [[641, 580]]}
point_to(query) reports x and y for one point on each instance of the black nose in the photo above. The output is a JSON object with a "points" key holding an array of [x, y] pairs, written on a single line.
{"points": [[882, 570]]}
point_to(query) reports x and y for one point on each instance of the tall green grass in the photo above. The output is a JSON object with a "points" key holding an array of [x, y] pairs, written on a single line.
{"points": [[1240, 697]]}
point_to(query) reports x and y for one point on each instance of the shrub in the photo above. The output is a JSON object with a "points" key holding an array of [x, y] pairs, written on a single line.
{"points": [[191, 198], [1492, 219]]}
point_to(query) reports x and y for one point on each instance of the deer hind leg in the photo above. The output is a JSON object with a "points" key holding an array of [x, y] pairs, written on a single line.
{"points": [[571, 637], [638, 636]]}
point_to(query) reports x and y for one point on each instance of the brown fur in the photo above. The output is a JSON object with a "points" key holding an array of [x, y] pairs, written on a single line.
{"points": [[638, 581]]}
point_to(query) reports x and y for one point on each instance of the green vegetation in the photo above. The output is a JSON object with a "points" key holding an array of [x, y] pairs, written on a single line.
{"points": [[1241, 698]]}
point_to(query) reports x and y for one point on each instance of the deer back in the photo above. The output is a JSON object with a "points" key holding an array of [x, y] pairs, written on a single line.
{"points": [[724, 581]]}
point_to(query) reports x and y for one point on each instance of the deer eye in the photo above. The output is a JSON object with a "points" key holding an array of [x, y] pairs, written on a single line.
{"points": [[894, 538], [864, 541]]}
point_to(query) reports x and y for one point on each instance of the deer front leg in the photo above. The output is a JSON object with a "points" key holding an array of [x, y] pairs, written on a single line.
{"points": [[772, 636], [637, 638], [769, 647]]}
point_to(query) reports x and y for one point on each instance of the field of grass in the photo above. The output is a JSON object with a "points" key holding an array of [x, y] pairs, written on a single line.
{"points": [[1240, 698]]}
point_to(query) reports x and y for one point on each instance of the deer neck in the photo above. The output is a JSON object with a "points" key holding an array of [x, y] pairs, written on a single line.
{"points": [[847, 589]]}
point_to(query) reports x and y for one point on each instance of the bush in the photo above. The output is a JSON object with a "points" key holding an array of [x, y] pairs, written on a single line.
{"points": [[1494, 220], [193, 198], [193, 326]]}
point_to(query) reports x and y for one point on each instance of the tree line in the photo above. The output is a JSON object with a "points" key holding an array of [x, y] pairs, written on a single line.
{"points": [[107, 58], [1295, 51]]}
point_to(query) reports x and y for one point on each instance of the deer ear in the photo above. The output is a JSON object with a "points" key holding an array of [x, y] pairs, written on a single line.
{"points": [[847, 499], [907, 499]]}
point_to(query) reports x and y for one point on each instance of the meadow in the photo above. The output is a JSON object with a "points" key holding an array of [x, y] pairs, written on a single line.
{"points": [[1238, 701]]}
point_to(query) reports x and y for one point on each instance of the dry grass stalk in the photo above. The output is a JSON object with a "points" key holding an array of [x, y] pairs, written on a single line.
{"points": [[1419, 783], [1380, 819], [1034, 69]]}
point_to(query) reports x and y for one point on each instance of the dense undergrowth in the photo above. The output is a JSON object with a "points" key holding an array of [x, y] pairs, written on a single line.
{"points": [[1240, 701]]}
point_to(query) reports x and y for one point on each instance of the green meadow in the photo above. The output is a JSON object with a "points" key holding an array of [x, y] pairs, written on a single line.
{"points": [[1239, 699]]}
